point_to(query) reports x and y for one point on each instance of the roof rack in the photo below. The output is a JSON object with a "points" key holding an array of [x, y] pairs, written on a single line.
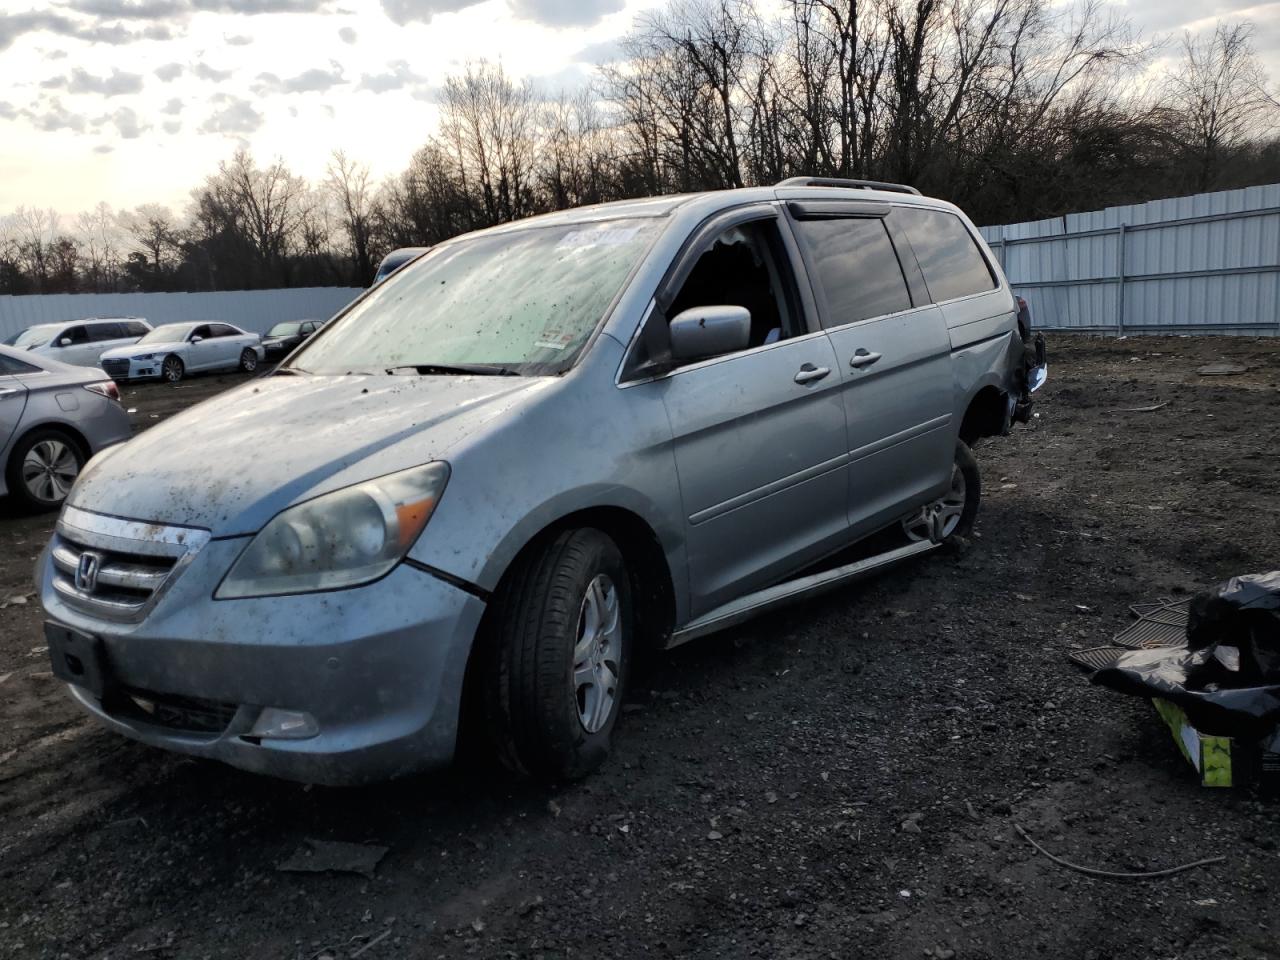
{"points": [[841, 182]]}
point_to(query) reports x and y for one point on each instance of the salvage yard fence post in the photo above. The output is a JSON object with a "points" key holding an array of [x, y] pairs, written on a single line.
{"points": [[1209, 263]]}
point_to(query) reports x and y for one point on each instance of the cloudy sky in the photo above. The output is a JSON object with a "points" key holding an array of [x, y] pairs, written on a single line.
{"points": [[131, 101]]}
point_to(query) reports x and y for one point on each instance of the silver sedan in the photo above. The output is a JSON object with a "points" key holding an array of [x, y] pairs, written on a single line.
{"points": [[53, 418]]}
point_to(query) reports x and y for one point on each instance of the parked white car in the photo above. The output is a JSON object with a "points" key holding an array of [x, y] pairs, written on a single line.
{"points": [[82, 343], [176, 349]]}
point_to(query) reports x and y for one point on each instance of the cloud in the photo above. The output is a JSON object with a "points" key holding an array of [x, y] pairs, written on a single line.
{"points": [[81, 81], [397, 76], [348, 34], [564, 13], [55, 117], [170, 71], [239, 40], [128, 123], [172, 126], [15, 25], [236, 117], [179, 9], [8, 111], [602, 51], [208, 73], [173, 107], [315, 80], [404, 11], [103, 148]]}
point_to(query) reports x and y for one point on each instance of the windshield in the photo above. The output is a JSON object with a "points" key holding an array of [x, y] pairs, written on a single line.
{"points": [[169, 333], [284, 330], [36, 336], [523, 302]]}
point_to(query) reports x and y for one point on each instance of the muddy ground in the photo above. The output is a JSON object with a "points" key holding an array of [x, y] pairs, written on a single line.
{"points": [[757, 799]]}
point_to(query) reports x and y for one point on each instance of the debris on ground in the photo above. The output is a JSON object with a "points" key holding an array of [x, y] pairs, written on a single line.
{"points": [[1221, 368], [333, 856], [1211, 665], [1114, 874]]}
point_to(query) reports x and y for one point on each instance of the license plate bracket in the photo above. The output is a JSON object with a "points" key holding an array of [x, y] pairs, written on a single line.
{"points": [[78, 658]]}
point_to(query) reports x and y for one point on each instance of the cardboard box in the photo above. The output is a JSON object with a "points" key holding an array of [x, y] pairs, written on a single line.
{"points": [[1211, 756]]}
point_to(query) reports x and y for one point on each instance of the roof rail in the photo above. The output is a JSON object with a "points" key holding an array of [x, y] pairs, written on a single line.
{"points": [[841, 182]]}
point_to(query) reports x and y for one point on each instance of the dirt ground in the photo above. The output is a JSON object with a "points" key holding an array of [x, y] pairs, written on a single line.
{"points": [[758, 799]]}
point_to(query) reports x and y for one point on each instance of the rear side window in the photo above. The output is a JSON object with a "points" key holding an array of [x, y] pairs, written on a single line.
{"points": [[948, 255], [857, 268], [105, 331], [222, 330], [11, 366], [135, 329]]}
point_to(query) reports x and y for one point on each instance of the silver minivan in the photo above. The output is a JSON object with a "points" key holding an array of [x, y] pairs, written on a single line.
{"points": [[82, 343], [483, 488]]}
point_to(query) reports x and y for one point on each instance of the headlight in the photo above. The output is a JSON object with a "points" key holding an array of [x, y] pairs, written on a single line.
{"points": [[341, 539], [145, 356]]}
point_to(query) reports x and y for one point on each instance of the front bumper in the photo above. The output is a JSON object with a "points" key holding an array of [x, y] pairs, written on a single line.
{"points": [[379, 667], [132, 368]]}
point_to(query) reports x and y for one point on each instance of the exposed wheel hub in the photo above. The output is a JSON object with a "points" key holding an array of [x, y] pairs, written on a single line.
{"points": [[596, 653]]}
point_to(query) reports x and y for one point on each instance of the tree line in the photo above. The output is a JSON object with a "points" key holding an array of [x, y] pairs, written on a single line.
{"points": [[1014, 109]]}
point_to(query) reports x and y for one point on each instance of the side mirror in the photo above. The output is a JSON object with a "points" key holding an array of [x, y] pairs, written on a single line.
{"points": [[702, 332], [196, 339], [64, 342]]}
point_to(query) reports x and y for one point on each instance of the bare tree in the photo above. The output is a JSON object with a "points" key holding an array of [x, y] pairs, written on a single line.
{"points": [[1217, 95], [349, 185]]}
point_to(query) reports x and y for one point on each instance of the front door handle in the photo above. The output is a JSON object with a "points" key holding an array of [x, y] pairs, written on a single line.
{"points": [[809, 373], [861, 358], [8, 391]]}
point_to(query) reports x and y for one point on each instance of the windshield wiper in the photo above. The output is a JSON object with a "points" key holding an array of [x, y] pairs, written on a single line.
{"points": [[456, 369]]}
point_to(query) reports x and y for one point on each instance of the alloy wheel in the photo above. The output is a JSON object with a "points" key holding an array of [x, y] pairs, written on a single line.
{"points": [[596, 653], [938, 520], [49, 469], [172, 370]]}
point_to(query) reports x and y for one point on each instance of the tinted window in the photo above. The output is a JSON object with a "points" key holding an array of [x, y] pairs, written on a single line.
{"points": [[74, 334], [222, 330], [105, 331], [10, 365], [135, 329], [857, 268], [952, 264], [204, 332]]}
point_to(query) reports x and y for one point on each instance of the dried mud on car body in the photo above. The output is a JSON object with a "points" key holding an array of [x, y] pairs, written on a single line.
{"points": [[805, 741]]}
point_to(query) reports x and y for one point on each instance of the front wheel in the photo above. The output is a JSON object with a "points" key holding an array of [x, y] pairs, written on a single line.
{"points": [[172, 369], [559, 650], [952, 514], [248, 360], [42, 468]]}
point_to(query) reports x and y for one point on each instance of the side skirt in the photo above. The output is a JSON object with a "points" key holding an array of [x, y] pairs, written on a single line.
{"points": [[790, 591]]}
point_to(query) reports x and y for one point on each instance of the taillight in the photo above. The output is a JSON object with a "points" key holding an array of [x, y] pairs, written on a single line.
{"points": [[105, 388]]}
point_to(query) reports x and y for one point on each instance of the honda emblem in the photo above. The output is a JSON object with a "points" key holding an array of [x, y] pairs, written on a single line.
{"points": [[87, 571]]}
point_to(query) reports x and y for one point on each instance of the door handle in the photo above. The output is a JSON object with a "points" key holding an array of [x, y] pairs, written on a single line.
{"points": [[8, 391], [809, 373], [861, 358]]}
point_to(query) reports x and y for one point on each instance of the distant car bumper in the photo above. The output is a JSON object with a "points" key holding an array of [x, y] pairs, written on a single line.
{"points": [[276, 348], [378, 670], [132, 368]]}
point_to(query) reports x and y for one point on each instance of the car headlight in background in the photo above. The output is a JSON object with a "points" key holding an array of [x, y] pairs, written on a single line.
{"points": [[145, 356], [340, 539]]}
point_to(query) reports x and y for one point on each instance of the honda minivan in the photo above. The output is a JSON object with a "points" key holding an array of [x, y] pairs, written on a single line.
{"points": [[478, 493]]}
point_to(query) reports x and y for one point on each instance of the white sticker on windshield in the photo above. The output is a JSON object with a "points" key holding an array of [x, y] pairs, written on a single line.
{"points": [[598, 237]]}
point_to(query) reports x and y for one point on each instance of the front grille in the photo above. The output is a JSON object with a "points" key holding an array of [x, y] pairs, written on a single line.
{"points": [[117, 569], [116, 368], [171, 711]]}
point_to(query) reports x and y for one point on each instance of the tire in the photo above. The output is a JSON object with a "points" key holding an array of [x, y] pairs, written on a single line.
{"points": [[952, 515], [172, 369], [42, 468], [552, 687], [248, 360]]}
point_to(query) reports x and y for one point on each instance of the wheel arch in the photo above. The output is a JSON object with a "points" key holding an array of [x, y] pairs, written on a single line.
{"points": [[60, 426], [985, 415]]}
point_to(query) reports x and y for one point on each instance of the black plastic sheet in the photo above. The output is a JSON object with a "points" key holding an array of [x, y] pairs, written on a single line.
{"points": [[1227, 675]]}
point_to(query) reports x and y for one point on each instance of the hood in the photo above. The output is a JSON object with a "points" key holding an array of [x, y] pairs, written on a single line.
{"points": [[233, 462], [136, 350]]}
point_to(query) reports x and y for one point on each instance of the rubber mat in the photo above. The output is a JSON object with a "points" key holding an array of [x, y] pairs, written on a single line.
{"points": [[1150, 634], [1096, 658]]}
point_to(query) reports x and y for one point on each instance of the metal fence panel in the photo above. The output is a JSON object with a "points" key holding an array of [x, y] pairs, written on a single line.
{"points": [[253, 310], [1205, 263]]}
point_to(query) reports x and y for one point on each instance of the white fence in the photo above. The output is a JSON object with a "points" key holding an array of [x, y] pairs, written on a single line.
{"points": [[1203, 264], [253, 310]]}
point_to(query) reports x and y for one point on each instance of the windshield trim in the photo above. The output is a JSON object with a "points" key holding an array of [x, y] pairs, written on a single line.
{"points": [[520, 369]]}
